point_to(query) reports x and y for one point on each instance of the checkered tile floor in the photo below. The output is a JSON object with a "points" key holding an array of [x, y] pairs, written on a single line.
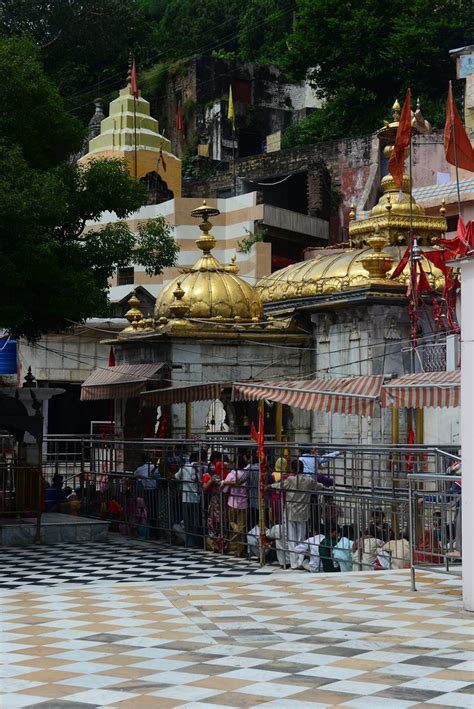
{"points": [[300, 641], [117, 561]]}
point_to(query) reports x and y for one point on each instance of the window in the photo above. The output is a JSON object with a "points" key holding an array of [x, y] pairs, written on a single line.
{"points": [[242, 90], [125, 276]]}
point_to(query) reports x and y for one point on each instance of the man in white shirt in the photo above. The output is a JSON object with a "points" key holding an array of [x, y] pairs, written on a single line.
{"points": [[146, 488], [312, 461]]}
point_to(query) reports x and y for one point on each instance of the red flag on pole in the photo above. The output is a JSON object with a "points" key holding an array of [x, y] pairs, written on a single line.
{"points": [[457, 146], [253, 432], [111, 362], [179, 118], [133, 79], [402, 141], [401, 266]]}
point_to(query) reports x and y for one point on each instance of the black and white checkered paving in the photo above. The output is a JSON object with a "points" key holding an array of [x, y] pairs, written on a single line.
{"points": [[114, 562]]}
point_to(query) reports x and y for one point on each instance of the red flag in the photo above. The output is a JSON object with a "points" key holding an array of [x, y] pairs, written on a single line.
{"points": [[409, 457], [460, 245], [402, 141], [111, 358], [253, 432], [133, 80], [423, 282], [161, 159], [457, 146], [179, 118], [401, 266], [438, 259]]}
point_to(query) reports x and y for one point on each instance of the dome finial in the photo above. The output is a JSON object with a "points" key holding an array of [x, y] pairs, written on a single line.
{"points": [[178, 308], [206, 242], [134, 315], [396, 110], [352, 213]]}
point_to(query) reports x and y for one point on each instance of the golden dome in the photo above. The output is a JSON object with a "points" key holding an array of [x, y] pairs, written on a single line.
{"points": [[339, 271], [209, 290]]}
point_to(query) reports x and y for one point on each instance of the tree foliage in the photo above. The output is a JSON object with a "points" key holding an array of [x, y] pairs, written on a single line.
{"points": [[54, 266], [84, 45], [360, 56]]}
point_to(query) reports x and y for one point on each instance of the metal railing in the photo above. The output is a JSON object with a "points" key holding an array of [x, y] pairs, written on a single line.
{"points": [[435, 522], [358, 517]]}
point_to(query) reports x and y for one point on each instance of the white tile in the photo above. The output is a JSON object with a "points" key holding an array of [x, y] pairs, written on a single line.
{"points": [[100, 697], [161, 663], [454, 699], [254, 675], [16, 701], [333, 672], [406, 669], [435, 685], [379, 703], [268, 689], [288, 704], [353, 687], [90, 681], [391, 657], [186, 692], [85, 668], [80, 655], [13, 684], [173, 677], [238, 661], [312, 658]]}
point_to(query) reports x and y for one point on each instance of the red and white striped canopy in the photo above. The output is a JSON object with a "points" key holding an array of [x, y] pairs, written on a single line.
{"points": [[344, 395], [122, 382], [185, 393], [415, 391]]}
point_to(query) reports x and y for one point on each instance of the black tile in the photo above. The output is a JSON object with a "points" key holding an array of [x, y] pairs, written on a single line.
{"points": [[407, 693], [430, 661]]}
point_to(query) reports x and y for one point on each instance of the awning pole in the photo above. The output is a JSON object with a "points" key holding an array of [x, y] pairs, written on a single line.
{"points": [[420, 426], [189, 418], [278, 421], [395, 425]]}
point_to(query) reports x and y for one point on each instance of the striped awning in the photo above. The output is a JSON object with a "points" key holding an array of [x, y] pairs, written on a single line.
{"points": [[415, 391], [122, 382], [344, 395], [185, 393]]}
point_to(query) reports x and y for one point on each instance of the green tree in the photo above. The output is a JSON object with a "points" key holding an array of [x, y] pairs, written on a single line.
{"points": [[263, 29], [362, 54], [84, 45], [188, 27], [55, 265]]}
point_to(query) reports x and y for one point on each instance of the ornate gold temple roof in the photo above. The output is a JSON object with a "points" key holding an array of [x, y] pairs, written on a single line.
{"points": [[377, 243], [209, 300], [211, 291]]}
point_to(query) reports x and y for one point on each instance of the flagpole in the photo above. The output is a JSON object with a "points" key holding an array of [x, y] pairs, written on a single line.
{"points": [[135, 136], [234, 176], [456, 168], [413, 245]]}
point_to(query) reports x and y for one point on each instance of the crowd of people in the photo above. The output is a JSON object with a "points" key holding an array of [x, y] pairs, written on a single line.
{"points": [[216, 505], [209, 500]]}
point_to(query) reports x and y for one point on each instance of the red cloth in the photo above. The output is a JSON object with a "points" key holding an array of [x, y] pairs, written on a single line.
{"points": [[133, 80], [179, 118], [401, 266], [402, 140], [111, 362], [457, 146]]}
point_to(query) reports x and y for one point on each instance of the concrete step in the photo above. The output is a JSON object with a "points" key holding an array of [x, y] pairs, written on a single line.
{"points": [[56, 528]]}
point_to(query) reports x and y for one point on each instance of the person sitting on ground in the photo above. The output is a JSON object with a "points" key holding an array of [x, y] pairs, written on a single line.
{"points": [[395, 554], [342, 552], [384, 531], [326, 551], [366, 549], [310, 547], [54, 494]]}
